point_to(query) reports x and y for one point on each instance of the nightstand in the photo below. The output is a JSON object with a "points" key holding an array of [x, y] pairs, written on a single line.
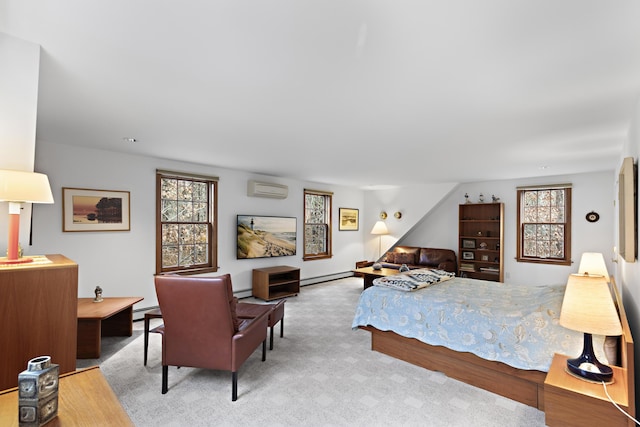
{"points": [[570, 401]]}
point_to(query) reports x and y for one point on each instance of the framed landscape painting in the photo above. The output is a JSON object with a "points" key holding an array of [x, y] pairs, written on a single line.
{"points": [[260, 236], [349, 219], [95, 210]]}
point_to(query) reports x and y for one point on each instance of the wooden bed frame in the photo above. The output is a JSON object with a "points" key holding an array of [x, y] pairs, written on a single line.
{"points": [[521, 385]]}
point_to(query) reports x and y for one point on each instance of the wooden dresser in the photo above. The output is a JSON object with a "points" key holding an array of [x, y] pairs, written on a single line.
{"points": [[38, 316]]}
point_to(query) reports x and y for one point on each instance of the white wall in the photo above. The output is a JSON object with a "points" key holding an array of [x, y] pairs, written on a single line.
{"points": [[590, 192], [414, 202], [123, 263], [18, 110]]}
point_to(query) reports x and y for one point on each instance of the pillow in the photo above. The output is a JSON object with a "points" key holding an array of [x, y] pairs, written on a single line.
{"points": [[405, 258], [390, 257], [414, 279]]}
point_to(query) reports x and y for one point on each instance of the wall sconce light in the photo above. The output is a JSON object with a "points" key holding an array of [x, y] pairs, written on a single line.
{"points": [[398, 215], [383, 215]]}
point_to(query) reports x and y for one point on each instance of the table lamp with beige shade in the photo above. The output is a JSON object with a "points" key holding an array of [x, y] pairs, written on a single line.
{"points": [[588, 307], [17, 187]]}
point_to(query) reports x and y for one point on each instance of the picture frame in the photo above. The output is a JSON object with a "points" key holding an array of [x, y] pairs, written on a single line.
{"points": [[469, 243], [468, 255], [485, 257], [254, 230], [86, 209], [627, 202], [349, 219]]}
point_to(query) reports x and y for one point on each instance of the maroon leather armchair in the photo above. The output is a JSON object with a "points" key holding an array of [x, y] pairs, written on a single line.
{"points": [[201, 329]]}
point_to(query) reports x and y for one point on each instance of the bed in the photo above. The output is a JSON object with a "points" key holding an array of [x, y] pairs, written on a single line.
{"points": [[488, 334]]}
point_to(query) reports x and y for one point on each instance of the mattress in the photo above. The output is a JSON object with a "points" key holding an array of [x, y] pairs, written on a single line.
{"points": [[514, 324]]}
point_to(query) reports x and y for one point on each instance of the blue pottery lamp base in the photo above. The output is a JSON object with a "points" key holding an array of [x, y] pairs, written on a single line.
{"points": [[587, 366]]}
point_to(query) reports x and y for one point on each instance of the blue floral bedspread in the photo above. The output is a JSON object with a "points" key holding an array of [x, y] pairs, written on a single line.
{"points": [[514, 324]]}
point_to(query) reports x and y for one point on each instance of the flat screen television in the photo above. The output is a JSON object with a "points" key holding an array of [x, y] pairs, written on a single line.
{"points": [[265, 236]]}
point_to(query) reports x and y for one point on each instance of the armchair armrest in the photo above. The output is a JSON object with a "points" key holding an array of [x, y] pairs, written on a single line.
{"points": [[248, 338]]}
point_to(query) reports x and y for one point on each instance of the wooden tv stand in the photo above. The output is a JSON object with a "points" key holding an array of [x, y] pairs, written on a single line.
{"points": [[276, 282]]}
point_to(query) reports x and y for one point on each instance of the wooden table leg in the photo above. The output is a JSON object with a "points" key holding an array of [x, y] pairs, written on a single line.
{"points": [[368, 280], [119, 325], [89, 333]]}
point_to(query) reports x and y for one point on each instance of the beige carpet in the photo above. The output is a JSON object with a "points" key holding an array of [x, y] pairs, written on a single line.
{"points": [[322, 373]]}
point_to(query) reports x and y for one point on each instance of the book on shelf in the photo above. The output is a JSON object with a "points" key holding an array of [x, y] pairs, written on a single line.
{"points": [[494, 270], [467, 267]]}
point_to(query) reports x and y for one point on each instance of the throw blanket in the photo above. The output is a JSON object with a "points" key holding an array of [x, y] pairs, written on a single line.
{"points": [[514, 324], [414, 279]]}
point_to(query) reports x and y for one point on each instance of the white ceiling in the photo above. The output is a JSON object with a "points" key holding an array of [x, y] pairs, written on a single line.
{"points": [[360, 93]]}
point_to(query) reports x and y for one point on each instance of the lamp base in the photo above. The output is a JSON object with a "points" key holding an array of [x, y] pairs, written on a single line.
{"points": [[590, 370], [587, 366], [7, 261]]}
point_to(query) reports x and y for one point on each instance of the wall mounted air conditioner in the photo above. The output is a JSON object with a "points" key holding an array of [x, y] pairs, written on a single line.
{"points": [[266, 189]]}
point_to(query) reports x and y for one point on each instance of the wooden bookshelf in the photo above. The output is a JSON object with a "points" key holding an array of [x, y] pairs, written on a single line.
{"points": [[480, 241]]}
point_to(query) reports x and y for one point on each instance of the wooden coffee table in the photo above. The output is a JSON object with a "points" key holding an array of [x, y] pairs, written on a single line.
{"points": [[369, 274], [111, 317]]}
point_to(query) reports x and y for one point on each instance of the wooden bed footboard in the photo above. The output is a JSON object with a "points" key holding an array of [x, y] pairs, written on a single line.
{"points": [[523, 386], [520, 385]]}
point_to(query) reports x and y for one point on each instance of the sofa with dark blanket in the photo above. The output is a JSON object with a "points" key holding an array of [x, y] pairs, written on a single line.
{"points": [[416, 257]]}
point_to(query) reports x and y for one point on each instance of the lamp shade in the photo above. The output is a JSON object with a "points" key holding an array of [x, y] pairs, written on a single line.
{"points": [[588, 306], [592, 264], [380, 228], [23, 186]]}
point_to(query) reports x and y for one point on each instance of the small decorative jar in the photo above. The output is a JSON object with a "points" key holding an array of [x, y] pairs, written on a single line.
{"points": [[38, 392], [403, 268]]}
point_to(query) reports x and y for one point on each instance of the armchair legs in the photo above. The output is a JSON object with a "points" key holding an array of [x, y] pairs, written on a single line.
{"points": [[153, 314], [234, 386], [234, 376], [165, 371]]}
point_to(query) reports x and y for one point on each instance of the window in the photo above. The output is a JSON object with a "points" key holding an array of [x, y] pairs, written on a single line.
{"points": [[317, 225], [186, 223], [544, 224]]}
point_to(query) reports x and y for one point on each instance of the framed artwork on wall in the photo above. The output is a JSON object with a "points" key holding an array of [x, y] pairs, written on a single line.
{"points": [[260, 236], [95, 210], [627, 202], [349, 219]]}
